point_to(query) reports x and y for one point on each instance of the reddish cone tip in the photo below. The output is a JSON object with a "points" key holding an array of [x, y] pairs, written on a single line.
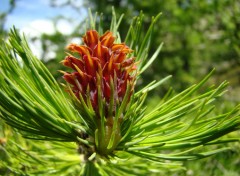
{"points": [[101, 63]]}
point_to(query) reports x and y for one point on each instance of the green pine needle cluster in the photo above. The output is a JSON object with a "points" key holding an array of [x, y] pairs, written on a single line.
{"points": [[180, 127]]}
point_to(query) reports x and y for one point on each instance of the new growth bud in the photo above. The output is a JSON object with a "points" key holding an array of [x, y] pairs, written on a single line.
{"points": [[105, 75]]}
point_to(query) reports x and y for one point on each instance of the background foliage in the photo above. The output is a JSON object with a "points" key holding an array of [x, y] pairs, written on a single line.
{"points": [[197, 35]]}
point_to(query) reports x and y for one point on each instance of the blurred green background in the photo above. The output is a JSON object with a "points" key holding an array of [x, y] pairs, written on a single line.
{"points": [[198, 35]]}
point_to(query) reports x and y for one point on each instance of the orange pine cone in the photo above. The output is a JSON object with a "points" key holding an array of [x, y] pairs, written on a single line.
{"points": [[101, 63]]}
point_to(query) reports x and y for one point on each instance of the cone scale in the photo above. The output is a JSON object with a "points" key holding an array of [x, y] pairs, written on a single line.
{"points": [[103, 75]]}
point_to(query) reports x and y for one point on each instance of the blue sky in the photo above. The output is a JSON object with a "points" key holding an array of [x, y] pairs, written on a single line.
{"points": [[27, 11], [33, 17]]}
